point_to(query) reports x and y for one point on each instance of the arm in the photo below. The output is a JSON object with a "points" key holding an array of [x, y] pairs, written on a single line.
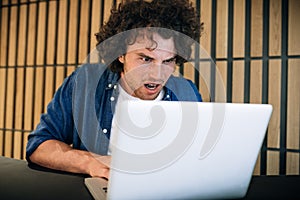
{"points": [[196, 91], [58, 155], [49, 144]]}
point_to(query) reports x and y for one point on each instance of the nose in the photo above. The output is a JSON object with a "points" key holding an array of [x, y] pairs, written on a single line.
{"points": [[155, 71]]}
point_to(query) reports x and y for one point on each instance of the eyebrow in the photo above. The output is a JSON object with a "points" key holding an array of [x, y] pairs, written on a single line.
{"points": [[146, 56], [170, 59]]}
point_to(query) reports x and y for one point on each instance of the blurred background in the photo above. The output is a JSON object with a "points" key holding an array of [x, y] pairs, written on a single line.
{"points": [[254, 43]]}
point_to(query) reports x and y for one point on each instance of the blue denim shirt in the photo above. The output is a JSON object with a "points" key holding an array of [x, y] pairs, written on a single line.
{"points": [[81, 110]]}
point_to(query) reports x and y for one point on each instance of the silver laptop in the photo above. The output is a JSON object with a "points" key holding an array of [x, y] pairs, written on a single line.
{"points": [[182, 150]]}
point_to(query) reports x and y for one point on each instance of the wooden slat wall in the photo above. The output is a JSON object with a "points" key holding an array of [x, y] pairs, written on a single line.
{"points": [[254, 44]]}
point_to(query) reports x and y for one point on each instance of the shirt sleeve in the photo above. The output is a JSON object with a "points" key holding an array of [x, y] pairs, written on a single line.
{"points": [[196, 91], [183, 89], [57, 122]]}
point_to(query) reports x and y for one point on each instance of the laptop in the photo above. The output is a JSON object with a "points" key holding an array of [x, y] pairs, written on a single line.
{"points": [[182, 150]]}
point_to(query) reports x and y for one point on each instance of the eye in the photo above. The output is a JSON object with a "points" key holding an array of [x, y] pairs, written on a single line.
{"points": [[146, 59]]}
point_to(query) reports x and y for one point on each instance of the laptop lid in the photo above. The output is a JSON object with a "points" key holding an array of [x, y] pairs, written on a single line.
{"points": [[180, 150]]}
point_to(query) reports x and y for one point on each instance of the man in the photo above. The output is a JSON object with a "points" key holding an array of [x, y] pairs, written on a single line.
{"points": [[140, 60]]}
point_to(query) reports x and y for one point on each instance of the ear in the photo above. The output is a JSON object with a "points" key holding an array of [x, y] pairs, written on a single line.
{"points": [[121, 58]]}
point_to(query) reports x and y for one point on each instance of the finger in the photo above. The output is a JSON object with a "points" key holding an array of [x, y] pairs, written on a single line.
{"points": [[104, 173]]}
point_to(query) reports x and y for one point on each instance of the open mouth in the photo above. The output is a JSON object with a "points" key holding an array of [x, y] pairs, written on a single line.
{"points": [[151, 86]]}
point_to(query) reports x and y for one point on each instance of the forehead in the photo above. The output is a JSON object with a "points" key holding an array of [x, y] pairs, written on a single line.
{"points": [[156, 43]]}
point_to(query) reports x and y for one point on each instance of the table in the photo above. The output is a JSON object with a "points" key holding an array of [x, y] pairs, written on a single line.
{"points": [[274, 187], [18, 180]]}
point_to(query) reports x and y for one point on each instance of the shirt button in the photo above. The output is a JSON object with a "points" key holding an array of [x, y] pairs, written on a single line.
{"points": [[104, 130], [112, 98], [115, 86], [109, 85], [168, 96]]}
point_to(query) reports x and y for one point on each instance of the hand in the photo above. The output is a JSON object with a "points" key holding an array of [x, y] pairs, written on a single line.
{"points": [[55, 154], [100, 166]]}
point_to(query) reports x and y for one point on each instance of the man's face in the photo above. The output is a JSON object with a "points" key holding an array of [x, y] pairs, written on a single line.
{"points": [[147, 66]]}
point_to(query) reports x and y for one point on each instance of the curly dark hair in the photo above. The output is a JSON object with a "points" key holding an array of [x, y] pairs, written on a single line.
{"points": [[177, 15]]}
